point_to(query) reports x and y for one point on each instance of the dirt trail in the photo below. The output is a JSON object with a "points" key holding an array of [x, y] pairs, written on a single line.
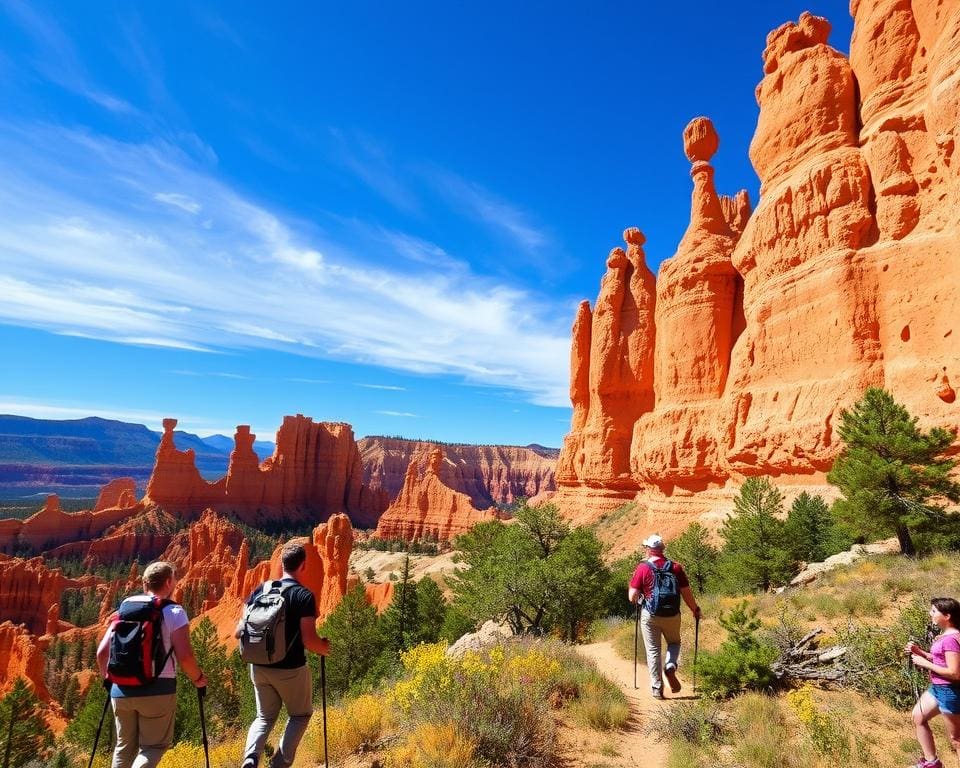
{"points": [[633, 744]]}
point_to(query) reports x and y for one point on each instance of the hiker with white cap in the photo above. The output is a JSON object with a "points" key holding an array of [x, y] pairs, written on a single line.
{"points": [[660, 583]]}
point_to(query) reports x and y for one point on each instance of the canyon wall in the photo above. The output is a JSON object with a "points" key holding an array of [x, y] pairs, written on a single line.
{"points": [[738, 359], [488, 474], [427, 508]]}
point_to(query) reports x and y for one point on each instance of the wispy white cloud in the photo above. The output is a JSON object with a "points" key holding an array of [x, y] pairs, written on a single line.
{"points": [[368, 160], [217, 374], [57, 59], [402, 414], [383, 386], [481, 204], [177, 200], [85, 249]]}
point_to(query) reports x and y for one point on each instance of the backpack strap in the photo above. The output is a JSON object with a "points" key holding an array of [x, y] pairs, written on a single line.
{"points": [[159, 603]]}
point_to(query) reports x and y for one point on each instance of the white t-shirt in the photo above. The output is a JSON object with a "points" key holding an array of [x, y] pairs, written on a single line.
{"points": [[174, 617]]}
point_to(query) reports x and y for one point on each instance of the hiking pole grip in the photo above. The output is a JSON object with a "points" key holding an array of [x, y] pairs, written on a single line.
{"points": [[201, 693], [96, 739], [323, 702]]}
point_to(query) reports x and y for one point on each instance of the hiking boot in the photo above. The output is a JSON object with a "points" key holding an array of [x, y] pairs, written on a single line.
{"points": [[670, 672], [922, 763], [657, 693]]}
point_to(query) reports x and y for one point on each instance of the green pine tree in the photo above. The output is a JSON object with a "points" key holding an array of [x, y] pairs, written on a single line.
{"points": [[811, 530], [356, 641], [82, 730], [693, 550], [24, 735], [893, 475], [431, 611], [399, 621], [755, 554]]}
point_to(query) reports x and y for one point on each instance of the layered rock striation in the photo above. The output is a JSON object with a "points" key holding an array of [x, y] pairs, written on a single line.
{"points": [[764, 325], [427, 508], [488, 474]]}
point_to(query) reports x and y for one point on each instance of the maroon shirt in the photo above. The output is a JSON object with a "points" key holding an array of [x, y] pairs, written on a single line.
{"points": [[643, 576]]}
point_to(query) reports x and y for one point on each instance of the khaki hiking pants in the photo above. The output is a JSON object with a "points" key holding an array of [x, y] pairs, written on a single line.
{"points": [[144, 726], [273, 688], [653, 628]]}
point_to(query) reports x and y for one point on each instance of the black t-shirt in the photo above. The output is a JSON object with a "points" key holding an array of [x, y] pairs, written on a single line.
{"points": [[300, 605]]}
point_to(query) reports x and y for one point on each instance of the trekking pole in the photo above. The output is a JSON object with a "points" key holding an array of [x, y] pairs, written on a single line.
{"points": [[696, 647], [201, 692], [323, 702], [103, 715], [636, 643]]}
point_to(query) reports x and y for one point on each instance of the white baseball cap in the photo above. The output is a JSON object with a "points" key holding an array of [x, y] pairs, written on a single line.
{"points": [[654, 541]]}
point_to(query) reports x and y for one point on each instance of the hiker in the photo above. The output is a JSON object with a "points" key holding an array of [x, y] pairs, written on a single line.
{"points": [[141, 675], [278, 660], [661, 583], [943, 695]]}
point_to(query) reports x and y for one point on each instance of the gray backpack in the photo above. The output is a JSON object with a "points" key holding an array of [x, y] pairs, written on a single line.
{"points": [[263, 636]]}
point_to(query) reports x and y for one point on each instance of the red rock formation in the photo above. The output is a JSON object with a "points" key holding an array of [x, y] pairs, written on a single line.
{"points": [[21, 655], [120, 493], [428, 509], [315, 470], [28, 589], [205, 556], [380, 595], [488, 474], [51, 526], [846, 275]]}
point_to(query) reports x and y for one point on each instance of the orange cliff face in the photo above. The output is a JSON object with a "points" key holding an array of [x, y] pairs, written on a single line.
{"points": [[488, 474], [767, 324], [315, 470], [29, 591], [426, 508], [51, 526]]}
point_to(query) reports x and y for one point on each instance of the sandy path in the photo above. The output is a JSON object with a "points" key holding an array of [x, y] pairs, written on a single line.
{"points": [[634, 745]]}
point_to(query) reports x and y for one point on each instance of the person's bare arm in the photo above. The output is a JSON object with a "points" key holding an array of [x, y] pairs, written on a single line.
{"points": [[633, 594], [949, 672], [185, 656], [687, 594], [311, 640], [103, 652]]}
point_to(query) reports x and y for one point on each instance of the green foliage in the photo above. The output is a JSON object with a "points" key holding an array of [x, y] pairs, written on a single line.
{"points": [[615, 590], [881, 669], [398, 624], [431, 611], [222, 701], [754, 554], [742, 661], [23, 733], [536, 573], [416, 547], [699, 557], [890, 472], [455, 625], [811, 532], [82, 730], [356, 642]]}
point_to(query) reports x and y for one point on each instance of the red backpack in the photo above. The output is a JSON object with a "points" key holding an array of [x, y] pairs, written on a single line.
{"points": [[137, 654]]}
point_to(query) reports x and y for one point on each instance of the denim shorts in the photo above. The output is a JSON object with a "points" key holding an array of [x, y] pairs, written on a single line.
{"points": [[948, 698]]}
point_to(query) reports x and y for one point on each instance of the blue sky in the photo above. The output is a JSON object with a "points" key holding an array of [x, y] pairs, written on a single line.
{"points": [[378, 213]]}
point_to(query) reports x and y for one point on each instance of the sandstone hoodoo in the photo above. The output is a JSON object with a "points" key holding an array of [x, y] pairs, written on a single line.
{"points": [[488, 474], [29, 591], [427, 509], [764, 325], [315, 471]]}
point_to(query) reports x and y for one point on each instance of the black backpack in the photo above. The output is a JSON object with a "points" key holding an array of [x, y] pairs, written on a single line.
{"points": [[664, 598], [137, 654]]}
